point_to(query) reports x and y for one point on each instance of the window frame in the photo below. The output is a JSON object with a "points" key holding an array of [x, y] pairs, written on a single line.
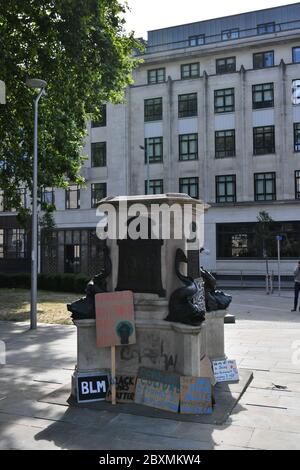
{"points": [[265, 180], [103, 121], [224, 108], [154, 158], [187, 106], [159, 186], [263, 104], [199, 40], [190, 182], [297, 184], [156, 106], [68, 191], [225, 67], [256, 134], [226, 195], [102, 146], [190, 74], [228, 153], [94, 201], [296, 134], [48, 191], [266, 26], [263, 54], [190, 138], [293, 54], [156, 80], [232, 30]]}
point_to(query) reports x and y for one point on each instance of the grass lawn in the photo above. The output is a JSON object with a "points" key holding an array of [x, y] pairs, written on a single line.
{"points": [[15, 306]]}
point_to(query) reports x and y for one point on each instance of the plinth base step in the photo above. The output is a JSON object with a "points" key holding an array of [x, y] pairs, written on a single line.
{"points": [[226, 397]]}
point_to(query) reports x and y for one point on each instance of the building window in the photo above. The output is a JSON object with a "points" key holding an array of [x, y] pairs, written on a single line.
{"points": [[230, 34], [225, 144], [13, 243], [263, 60], [226, 188], [266, 28], [189, 186], [156, 76], [197, 40], [263, 96], [48, 196], [73, 197], [153, 109], [224, 100], [296, 91], [240, 240], [154, 150], [7, 205], [227, 65], [102, 121], [263, 140], [187, 105], [190, 70], [265, 186], [296, 55], [98, 152], [98, 192], [188, 147], [297, 137], [297, 184], [155, 187]]}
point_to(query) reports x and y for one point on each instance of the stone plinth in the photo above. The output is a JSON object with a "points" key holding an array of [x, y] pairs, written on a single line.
{"points": [[160, 345], [215, 340]]}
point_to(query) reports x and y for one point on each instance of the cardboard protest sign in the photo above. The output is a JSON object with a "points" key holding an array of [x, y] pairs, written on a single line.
{"points": [[195, 395], [206, 370], [158, 389], [125, 389], [115, 319], [226, 371], [92, 387]]}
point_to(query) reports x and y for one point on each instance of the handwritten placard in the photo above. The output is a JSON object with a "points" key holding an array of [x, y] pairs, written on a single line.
{"points": [[125, 389], [226, 371], [158, 389], [92, 387], [115, 319], [195, 395]]}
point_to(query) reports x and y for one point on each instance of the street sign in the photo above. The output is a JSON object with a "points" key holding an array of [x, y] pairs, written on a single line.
{"points": [[279, 238]]}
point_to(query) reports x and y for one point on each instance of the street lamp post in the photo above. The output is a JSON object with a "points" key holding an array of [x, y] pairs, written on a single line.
{"points": [[41, 85]]}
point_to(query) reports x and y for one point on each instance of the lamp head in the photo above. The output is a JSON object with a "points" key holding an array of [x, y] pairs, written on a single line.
{"points": [[36, 83]]}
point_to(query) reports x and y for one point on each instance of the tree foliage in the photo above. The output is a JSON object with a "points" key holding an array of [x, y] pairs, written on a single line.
{"points": [[81, 49]]}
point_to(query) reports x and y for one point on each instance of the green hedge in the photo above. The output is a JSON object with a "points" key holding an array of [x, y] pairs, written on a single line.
{"points": [[52, 282]]}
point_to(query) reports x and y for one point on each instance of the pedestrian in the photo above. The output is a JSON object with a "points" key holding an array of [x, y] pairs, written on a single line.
{"points": [[297, 287]]}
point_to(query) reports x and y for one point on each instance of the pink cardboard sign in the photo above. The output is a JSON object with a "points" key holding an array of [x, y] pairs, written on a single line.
{"points": [[115, 319]]}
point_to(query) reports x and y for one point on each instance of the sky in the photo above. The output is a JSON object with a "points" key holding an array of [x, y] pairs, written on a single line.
{"points": [[146, 15]]}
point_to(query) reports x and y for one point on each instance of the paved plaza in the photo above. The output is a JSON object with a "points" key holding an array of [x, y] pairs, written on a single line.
{"points": [[265, 339]]}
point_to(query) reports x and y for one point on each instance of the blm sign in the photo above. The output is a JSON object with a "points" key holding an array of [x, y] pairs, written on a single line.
{"points": [[92, 387]]}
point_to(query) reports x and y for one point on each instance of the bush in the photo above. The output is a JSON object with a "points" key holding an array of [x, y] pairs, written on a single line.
{"points": [[52, 282]]}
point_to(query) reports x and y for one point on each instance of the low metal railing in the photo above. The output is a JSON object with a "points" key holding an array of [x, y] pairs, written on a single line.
{"points": [[216, 38]]}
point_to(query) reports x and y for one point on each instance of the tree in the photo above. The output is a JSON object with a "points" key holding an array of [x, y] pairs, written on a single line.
{"points": [[80, 48], [264, 235]]}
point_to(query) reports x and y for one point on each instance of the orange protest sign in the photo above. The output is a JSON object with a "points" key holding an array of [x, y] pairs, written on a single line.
{"points": [[115, 319]]}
